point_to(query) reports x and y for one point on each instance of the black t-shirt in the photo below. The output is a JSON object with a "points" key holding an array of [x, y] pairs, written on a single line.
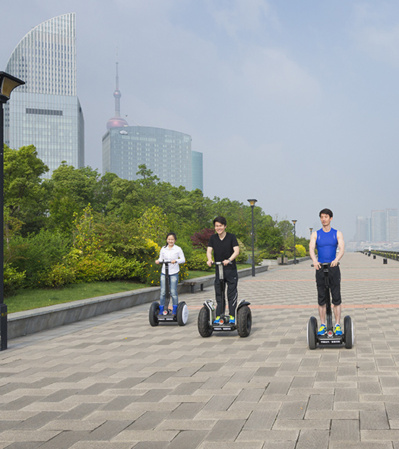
{"points": [[223, 249]]}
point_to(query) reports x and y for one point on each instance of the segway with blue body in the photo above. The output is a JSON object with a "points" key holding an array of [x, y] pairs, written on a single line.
{"points": [[329, 338], [177, 315], [207, 314]]}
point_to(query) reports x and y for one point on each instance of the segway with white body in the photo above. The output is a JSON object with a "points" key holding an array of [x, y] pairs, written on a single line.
{"points": [[329, 338], [207, 314], [181, 315]]}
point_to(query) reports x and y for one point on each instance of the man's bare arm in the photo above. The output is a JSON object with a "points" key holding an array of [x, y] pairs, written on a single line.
{"points": [[312, 247], [341, 249]]}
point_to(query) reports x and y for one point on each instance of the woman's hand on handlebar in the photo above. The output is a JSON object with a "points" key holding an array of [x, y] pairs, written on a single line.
{"points": [[157, 262]]}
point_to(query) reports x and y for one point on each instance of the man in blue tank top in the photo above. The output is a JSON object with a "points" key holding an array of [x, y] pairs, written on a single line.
{"points": [[330, 249]]}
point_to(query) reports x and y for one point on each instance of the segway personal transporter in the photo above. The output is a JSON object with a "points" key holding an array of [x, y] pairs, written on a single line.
{"points": [[181, 316], [329, 338], [207, 314]]}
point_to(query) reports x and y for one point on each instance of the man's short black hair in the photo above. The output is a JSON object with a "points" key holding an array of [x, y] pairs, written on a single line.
{"points": [[326, 212], [220, 220]]}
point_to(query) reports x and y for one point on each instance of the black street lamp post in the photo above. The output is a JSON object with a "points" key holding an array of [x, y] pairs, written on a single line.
{"points": [[252, 204], [294, 221], [7, 84]]}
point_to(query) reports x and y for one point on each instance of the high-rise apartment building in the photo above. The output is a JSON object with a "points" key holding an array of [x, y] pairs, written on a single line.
{"points": [[165, 152], [378, 226], [46, 111], [362, 229], [392, 225]]}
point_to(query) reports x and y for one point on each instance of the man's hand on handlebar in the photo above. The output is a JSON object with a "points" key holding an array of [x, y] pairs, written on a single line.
{"points": [[334, 263], [209, 262], [317, 265]]}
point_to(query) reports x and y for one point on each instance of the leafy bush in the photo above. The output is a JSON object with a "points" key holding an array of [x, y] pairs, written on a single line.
{"points": [[242, 257], [300, 251], [200, 239], [58, 276], [197, 261], [80, 268], [36, 254], [104, 267], [187, 248], [267, 255], [183, 273], [13, 279]]}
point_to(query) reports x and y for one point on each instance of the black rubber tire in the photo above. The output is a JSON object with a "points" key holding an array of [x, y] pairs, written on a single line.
{"points": [[182, 314], [153, 314], [348, 332], [244, 321], [312, 333], [204, 326]]}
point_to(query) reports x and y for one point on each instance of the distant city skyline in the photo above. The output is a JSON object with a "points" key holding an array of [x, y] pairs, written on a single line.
{"points": [[382, 226]]}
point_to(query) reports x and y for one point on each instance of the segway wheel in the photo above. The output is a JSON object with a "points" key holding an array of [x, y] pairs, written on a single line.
{"points": [[312, 333], [204, 326], [349, 333], [182, 314], [244, 321], [153, 314]]}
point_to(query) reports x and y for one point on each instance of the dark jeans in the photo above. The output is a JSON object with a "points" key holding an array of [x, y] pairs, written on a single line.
{"points": [[334, 278], [231, 279]]}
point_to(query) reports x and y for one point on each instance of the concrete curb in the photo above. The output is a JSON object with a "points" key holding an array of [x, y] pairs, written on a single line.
{"points": [[37, 320]]}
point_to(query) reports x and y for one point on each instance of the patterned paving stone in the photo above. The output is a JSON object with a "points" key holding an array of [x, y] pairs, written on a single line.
{"points": [[115, 382]]}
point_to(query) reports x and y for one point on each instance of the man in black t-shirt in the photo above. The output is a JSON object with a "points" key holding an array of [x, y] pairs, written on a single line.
{"points": [[225, 249]]}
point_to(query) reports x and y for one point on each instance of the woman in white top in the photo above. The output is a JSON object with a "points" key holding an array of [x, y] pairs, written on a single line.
{"points": [[174, 255]]}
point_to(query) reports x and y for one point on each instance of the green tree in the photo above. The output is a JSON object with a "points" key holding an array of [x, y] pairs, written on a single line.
{"points": [[153, 225], [72, 189], [270, 236], [25, 196]]}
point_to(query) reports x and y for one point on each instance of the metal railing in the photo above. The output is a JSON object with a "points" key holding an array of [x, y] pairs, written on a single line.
{"points": [[394, 255]]}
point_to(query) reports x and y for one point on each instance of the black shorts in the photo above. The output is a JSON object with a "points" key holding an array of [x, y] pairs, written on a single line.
{"points": [[334, 278]]}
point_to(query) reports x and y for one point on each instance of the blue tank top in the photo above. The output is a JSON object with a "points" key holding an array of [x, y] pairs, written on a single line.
{"points": [[327, 244]]}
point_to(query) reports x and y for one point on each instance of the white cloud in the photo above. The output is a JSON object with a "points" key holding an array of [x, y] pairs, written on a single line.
{"points": [[237, 15], [270, 73], [377, 32]]}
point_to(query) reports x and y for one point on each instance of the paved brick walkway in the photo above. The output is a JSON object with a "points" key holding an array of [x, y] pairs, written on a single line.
{"points": [[114, 382]]}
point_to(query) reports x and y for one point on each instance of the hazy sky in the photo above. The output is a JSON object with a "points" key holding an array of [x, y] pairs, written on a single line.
{"points": [[294, 103]]}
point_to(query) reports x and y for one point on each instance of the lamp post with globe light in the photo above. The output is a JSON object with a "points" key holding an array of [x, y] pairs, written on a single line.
{"points": [[7, 84], [294, 222], [252, 203]]}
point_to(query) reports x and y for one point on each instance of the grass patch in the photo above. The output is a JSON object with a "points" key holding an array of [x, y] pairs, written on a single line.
{"points": [[35, 298], [198, 274]]}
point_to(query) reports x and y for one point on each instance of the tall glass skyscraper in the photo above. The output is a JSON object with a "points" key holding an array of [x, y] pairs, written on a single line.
{"points": [[46, 111]]}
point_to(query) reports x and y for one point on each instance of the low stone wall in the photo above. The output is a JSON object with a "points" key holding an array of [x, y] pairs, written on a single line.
{"points": [[37, 320]]}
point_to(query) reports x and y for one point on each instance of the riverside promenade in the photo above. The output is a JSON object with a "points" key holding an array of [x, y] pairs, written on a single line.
{"points": [[114, 382]]}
